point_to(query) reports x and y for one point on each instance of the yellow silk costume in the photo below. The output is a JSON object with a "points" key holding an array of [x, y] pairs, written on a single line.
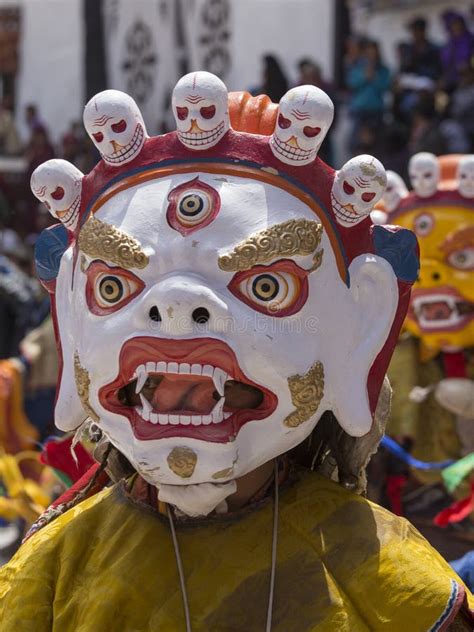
{"points": [[344, 564]]}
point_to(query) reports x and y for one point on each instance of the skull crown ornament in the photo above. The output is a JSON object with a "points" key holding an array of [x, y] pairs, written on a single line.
{"points": [[57, 184], [115, 125], [305, 114]]}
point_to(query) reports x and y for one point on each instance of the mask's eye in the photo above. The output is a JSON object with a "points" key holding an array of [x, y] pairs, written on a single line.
{"points": [[109, 289], [208, 112], [283, 122], [182, 113], [277, 290], [99, 137], [311, 132], [58, 193], [348, 188], [192, 205], [423, 224], [462, 259], [119, 127]]}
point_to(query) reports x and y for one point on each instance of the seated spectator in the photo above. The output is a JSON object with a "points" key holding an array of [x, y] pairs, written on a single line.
{"points": [[419, 56], [9, 140], [458, 52], [368, 80], [274, 82]]}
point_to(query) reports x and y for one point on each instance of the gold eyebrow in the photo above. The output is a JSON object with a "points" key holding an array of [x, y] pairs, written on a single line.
{"points": [[294, 237], [104, 241]]}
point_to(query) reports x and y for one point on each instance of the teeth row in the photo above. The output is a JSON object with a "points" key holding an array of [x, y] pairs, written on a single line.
{"points": [[164, 419], [219, 376], [201, 138], [69, 217], [341, 212], [294, 152], [449, 300]]}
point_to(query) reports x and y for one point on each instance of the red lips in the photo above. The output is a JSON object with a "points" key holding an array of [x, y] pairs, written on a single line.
{"points": [[140, 350]]}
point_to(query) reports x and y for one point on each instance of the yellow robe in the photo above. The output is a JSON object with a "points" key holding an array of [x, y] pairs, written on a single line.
{"points": [[344, 564]]}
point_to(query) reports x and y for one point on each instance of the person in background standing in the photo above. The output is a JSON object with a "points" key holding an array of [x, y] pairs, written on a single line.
{"points": [[274, 82], [458, 52], [420, 56], [368, 80]]}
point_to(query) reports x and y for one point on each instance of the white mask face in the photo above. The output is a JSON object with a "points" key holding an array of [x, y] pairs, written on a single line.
{"points": [[196, 351], [201, 111], [357, 187], [395, 191], [424, 173], [304, 117], [57, 184], [115, 125], [465, 176]]}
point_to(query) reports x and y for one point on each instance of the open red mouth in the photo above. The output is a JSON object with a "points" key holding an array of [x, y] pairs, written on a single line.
{"points": [[440, 309], [186, 388]]}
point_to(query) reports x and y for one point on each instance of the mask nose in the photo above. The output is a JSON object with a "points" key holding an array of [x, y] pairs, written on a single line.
{"points": [[432, 274], [182, 306]]}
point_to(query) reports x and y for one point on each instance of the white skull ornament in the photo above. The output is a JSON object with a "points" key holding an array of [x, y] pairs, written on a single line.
{"points": [[57, 184], [305, 115], [465, 176], [395, 190], [201, 110], [357, 187], [115, 125], [424, 173]]}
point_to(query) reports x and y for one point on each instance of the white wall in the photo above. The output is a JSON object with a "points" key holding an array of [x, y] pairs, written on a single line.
{"points": [[291, 29], [51, 62]]}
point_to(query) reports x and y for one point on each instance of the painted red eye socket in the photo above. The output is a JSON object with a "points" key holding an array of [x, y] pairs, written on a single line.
{"points": [[58, 193], [119, 127], [283, 122], [349, 189], [108, 289], [182, 113], [311, 132], [99, 137], [367, 197], [277, 290], [208, 112]]}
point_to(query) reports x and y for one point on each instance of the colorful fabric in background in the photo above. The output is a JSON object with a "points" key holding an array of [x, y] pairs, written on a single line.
{"points": [[334, 549], [69, 463], [16, 432], [431, 427]]}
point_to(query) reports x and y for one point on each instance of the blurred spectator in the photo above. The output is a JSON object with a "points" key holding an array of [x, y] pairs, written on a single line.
{"points": [[457, 53], [309, 73], [274, 82], [433, 129], [426, 134], [9, 140], [368, 80], [419, 56], [17, 299], [38, 150], [462, 103]]}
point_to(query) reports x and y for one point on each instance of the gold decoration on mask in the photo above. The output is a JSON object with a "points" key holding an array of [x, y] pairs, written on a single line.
{"points": [[182, 461], [223, 473], [104, 241], [294, 237], [306, 394], [82, 379]]}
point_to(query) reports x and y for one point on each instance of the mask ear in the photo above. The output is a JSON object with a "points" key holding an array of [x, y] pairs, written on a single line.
{"points": [[374, 299]]}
